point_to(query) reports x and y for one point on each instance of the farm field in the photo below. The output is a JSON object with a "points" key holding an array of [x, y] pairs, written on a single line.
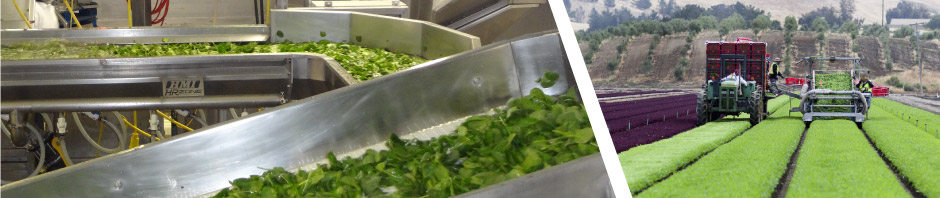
{"points": [[886, 156]]}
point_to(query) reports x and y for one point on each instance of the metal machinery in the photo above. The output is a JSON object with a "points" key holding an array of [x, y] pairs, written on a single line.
{"points": [[855, 106], [720, 97], [312, 105]]}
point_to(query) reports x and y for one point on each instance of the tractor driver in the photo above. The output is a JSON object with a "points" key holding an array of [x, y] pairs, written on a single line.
{"points": [[734, 79], [865, 87], [774, 74]]}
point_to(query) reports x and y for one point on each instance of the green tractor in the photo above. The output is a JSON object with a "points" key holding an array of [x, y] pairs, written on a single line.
{"points": [[742, 93]]}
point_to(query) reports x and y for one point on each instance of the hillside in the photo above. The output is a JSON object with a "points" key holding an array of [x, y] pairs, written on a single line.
{"points": [[629, 72], [869, 10]]}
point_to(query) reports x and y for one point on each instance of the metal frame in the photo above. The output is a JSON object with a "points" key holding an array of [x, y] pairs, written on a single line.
{"points": [[249, 80], [858, 107]]}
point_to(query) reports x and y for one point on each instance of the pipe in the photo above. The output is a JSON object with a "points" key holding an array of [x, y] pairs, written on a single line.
{"points": [[178, 124], [234, 114], [81, 128], [6, 131], [65, 152], [28, 25], [74, 18], [42, 149], [49, 125], [137, 103], [130, 15]]}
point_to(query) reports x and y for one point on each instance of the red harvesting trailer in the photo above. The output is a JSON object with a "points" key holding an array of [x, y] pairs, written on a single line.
{"points": [[754, 66]]}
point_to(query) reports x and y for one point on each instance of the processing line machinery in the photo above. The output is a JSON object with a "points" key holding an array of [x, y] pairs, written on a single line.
{"points": [[329, 112], [812, 99], [221, 83]]}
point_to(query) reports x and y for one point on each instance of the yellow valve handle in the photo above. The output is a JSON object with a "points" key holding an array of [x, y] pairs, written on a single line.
{"points": [[55, 145], [135, 141]]}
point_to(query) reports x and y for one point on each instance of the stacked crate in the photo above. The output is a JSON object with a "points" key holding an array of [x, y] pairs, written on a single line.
{"points": [[755, 66]]}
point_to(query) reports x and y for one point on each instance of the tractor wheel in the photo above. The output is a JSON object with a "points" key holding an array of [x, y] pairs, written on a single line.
{"points": [[702, 110], [756, 103]]}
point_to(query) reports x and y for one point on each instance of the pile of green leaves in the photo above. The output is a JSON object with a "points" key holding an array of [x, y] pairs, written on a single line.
{"points": [[913, 153], [362, 63], [533, 132], [835, 152], [647, 164], [748, 166], [835, 82], [911, 114]]}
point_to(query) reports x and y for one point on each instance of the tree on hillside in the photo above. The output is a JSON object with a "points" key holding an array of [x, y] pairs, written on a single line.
{"points": [[851, 28], [689, 12], [707, 22], [847, 9], [760, 23], [723, 11], [643, 4], [907, 9], [904, 32], [874, 30], [775, 25], [821, 27], [827, 13], [679, 25], [734, 22], [790, 24], [666, 9], [567, 4], [934, 22], [609, 3]]}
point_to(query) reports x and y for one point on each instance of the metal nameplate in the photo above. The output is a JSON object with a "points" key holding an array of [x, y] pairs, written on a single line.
{"points": [[180, 87]]}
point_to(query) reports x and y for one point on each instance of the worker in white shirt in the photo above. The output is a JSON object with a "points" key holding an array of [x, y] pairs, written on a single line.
{"points": [[736, 80], [734, 77]]}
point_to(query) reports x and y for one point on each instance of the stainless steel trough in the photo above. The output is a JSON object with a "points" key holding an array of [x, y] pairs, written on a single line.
{"points": [[344, 120]]}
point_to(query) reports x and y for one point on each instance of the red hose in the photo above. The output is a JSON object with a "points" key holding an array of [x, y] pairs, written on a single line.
{"points": [[163, 7]]}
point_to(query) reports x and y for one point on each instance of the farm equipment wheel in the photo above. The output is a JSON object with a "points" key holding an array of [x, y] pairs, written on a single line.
{"points": [[756, 106], [701, 110]]}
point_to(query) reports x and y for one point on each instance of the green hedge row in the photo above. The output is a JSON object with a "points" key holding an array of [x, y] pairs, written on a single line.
{"points": [[915, 154], [836, 160]]}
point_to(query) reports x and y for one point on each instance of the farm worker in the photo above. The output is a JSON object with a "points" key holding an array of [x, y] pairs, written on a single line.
{"points": [[735, 78], [774, 74], [865, 87]]}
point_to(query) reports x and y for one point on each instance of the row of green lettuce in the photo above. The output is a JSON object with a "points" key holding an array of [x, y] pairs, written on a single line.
{"points": [[750, 165], [836, 160], [646, 164], [915, 154], [361, 62], [531, 133], [926, 121]]}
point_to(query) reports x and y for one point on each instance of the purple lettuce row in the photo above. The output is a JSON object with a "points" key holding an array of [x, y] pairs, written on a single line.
{"points": [[652, 133], [628, 105], [647, 108], [640, 121], [608, 95]]}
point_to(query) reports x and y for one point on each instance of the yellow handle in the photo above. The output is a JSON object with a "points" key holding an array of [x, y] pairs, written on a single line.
{"points": [[72, 13], [135, 141], [137, 129], [30, 26], [178, 124]]}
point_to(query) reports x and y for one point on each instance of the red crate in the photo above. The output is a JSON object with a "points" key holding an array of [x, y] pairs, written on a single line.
{"points": [[727, 48], [742, 48], [759, 48], [879, 91], [712, 48], [795, 81]]}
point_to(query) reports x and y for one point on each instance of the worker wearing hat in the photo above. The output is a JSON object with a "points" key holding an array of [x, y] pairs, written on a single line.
{"points": [[865, 86], [774, 74]]}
